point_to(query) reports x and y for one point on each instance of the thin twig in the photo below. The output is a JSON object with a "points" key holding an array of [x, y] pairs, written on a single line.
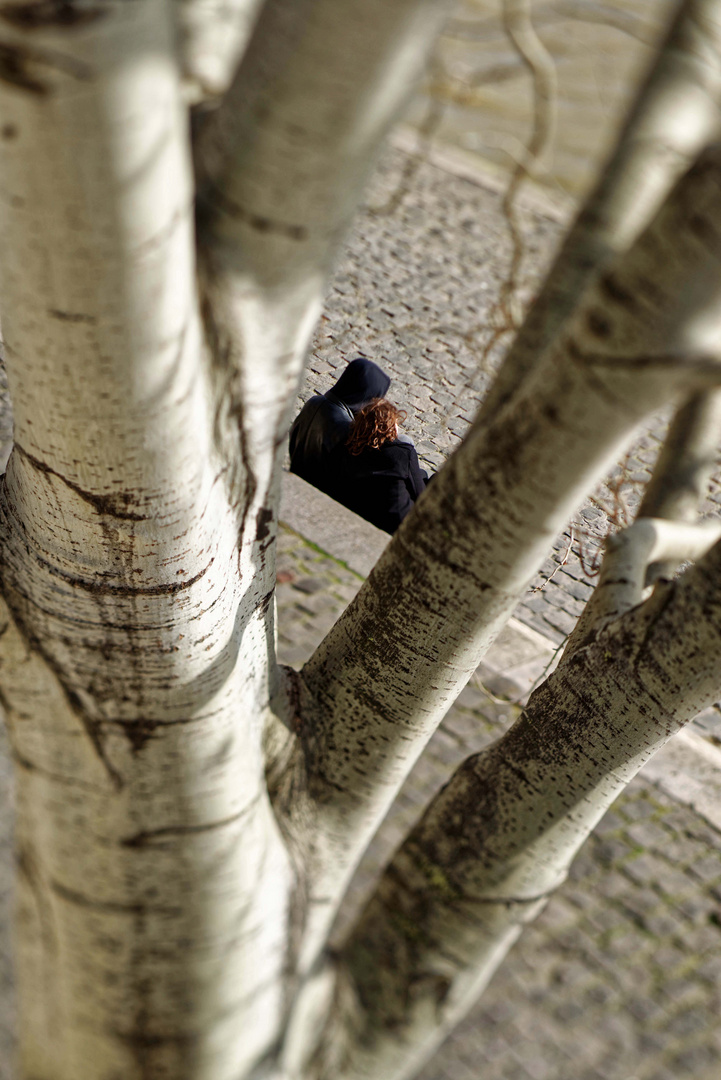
{"points": [[564, 560], [426, 130], [519, 29]]}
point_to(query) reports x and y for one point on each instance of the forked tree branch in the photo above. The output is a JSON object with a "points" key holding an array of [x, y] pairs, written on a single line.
{"points": [[626, 560], [665, 532], [676, 114], [479, 532], [500, 837]]}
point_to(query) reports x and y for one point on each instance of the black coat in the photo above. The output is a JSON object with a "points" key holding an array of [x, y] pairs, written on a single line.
{"points": [[324, 421], [380, 485]]}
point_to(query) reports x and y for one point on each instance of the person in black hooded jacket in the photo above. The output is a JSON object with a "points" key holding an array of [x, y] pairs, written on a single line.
{"points": [[375, 472], [324, 421]]}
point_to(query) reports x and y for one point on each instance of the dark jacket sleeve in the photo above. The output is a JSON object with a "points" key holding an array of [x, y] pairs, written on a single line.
{"points": [[318, 428], [399, 483], [417, 477]]}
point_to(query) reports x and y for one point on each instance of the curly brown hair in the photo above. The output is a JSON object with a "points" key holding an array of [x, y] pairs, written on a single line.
{"points": [[373, 426]]}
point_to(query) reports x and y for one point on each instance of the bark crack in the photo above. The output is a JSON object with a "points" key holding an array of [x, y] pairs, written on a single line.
{"points": [[55, 13], [72, 896], [91, 726], [149, 837], [116, 505], [213, 196]]}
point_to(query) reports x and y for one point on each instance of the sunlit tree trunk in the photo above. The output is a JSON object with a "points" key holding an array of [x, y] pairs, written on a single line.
{"points": [[189, 814]]}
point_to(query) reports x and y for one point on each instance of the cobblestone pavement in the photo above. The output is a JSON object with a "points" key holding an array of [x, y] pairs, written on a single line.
{"points": [[415, 291], [620, 977]]}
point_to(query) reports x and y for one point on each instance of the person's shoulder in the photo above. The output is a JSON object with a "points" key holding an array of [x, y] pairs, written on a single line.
{"points": [[310, 406], [399, 451], [402, 448]]}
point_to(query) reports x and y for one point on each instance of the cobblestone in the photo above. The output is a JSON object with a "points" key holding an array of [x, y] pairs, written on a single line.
{"points": [[620, 977]]}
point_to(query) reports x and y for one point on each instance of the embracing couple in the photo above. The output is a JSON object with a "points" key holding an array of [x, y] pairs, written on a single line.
{"points": [[346, 442]]}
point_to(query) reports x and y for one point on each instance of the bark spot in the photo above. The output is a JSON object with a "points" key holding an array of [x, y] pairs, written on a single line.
{"points": [[264, 519], [614, 290], [9, 131], [54, 13], [72, 316], [138, 732], [15, 70], [598, 324]]}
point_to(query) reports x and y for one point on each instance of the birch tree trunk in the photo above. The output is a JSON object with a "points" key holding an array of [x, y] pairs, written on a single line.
{"points": [[189, 815]]}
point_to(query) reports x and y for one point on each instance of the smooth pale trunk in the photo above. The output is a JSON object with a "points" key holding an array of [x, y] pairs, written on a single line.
{"points": [[138, 513], [154, 884]]}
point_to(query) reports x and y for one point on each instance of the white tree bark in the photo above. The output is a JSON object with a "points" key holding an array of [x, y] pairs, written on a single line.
{"points": [[162, 893], [678, 111], [137, 518], [142, 778], [500, 837], [213, 35], [646, 332]]}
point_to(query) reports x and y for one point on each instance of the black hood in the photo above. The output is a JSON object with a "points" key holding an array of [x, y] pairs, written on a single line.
{"points": [[361, 381]]}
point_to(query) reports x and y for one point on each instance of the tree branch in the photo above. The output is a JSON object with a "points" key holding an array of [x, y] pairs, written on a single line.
{"points": [[213, 35], [628, 555], [664, 533], [499, 838], [687, 460], [480, 531], [120, 571], [676, 113], [281, 165]]}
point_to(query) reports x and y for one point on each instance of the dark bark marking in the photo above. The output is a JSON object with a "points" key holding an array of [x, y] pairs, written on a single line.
{"points": [[30, 766], [265, 602], [54, 13], [100, 588], [72, 316], [614, 290], [91, 726], [598, 324], [71, 896], [14, 63], [259, 222], [116, 505], [148, 838], [9, 131], [137, 732], [263, 519]]}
